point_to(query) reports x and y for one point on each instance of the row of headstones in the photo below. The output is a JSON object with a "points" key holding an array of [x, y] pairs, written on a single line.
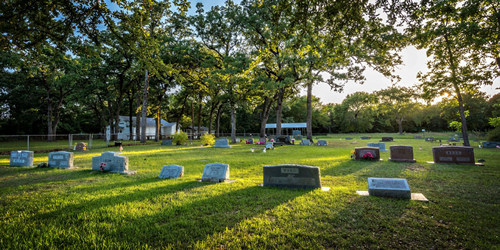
{"points": [[293, 176], [385, 139], [399, 153], [224, 143]]}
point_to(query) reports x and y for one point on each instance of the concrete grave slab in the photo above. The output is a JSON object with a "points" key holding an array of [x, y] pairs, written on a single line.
{"points": [[111, 162], [389, 187], [222, 143], [215, 172]]}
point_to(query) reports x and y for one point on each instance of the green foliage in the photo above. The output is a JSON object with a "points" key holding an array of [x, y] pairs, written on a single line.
{"points": [[456, 125], [495, 122], [207, 139], [494, 134], [180, 138]]}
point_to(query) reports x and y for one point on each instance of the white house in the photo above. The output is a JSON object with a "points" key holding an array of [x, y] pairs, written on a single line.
{"points": [[167, 128]]}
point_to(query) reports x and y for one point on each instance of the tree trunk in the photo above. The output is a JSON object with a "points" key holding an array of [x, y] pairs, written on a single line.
{"points": [[465, 135], [233, 123], [265, 116], [400, 125], [118, 108], [279, 108], [49, 118], [137, 114], [217, 125], [210, 117], [309, 111], [199, 117], [144, 107], [180, 114], [157, 125], [192, 120], [130, 111]]}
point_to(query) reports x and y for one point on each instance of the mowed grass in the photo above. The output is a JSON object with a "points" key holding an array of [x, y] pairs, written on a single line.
{"points": [[56, 208]]}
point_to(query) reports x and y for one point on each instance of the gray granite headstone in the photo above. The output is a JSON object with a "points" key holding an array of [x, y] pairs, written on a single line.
{"points": [[491, 144], [379, 145], [222, 143], [389, 187], [322, 143], [417, 137], [366, 137], [305, 142], [166, 142], [171, 172], [111, 162], [292, 176], [388, 138], [348, 138], [21, 158], [401, 153], [360, 152], [453, 154], [431, 139], [296, 132], [215, 172], [81, 146], [250, 141], [61, 159], [269, 145], [238, 140]]}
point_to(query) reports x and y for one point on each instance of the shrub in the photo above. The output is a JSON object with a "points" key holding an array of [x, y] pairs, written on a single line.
{"points": [[207, 139], [180, 138], [494, 135]]}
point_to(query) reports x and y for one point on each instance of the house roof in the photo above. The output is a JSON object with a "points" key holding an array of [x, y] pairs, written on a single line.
{"points": [[288, 125]]}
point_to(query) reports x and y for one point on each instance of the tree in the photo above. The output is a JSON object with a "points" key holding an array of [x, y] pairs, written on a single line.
{"points": [[444, 30], [396, 102], [356, 113]]}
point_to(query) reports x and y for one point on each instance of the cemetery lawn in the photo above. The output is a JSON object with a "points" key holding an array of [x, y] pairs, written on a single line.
{"points": [[57, 208]]}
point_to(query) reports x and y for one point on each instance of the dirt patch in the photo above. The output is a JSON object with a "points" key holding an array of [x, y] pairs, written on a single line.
{"points": [[416, 168]]}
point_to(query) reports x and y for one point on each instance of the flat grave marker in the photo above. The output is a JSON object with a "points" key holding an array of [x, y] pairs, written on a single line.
{"points": [[216, 172], [379, 145], [111, 162], [401, 153], [453, 154], [387, 139], [305, 142], [171, 172], [61, 159], [491, 144], [366, 137], [417, 137], [389, 187], [292, 176], [21, 158]]}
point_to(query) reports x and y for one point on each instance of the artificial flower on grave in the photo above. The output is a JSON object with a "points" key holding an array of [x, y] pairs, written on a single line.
{"points": [[368, 156]]}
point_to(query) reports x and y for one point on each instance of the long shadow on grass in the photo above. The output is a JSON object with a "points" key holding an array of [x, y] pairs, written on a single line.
{"points": [[16, 177], [184, 225], [130, 196], [365, 169]]}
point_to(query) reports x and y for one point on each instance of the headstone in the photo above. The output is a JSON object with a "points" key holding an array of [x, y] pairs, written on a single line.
{"points": [[21, 158], [417, 137], [305, 142], [363, 153], [387, 139], [366, 137], [61, 159], [292, 176], [296, 132], [215, 172], [166, 142], [401, 153], [250, 141], [269, 145], [453, 139], [453, 154], [380, 146], [118, 143], [348, 138], [431, 139], [322, 143], [238, 140], [262, 140], [222, 143], [81, 146], [491, 144], [389, 187], [171, 172], [111, 162], [283, 140]]}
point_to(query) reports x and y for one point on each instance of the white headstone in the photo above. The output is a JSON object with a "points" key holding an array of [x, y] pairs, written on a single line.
{"points": [[21, 158], [171, 172], [61, 159], [112, 162], [216, 172]]}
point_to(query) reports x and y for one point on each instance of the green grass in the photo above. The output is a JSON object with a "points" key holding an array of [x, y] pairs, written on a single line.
{"points": [[56, 208]]}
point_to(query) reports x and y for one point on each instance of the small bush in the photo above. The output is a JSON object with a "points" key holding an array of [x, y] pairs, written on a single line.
{"points": [[494, 135], [207, 139], [180, 138]]}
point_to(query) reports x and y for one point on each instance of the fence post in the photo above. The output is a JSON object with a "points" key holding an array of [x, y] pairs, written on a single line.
{"points": [[90, 141], [28, 143], [70, 143]]}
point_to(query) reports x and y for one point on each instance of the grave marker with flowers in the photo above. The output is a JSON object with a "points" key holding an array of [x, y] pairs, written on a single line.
{"points": [[366, 153]]}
